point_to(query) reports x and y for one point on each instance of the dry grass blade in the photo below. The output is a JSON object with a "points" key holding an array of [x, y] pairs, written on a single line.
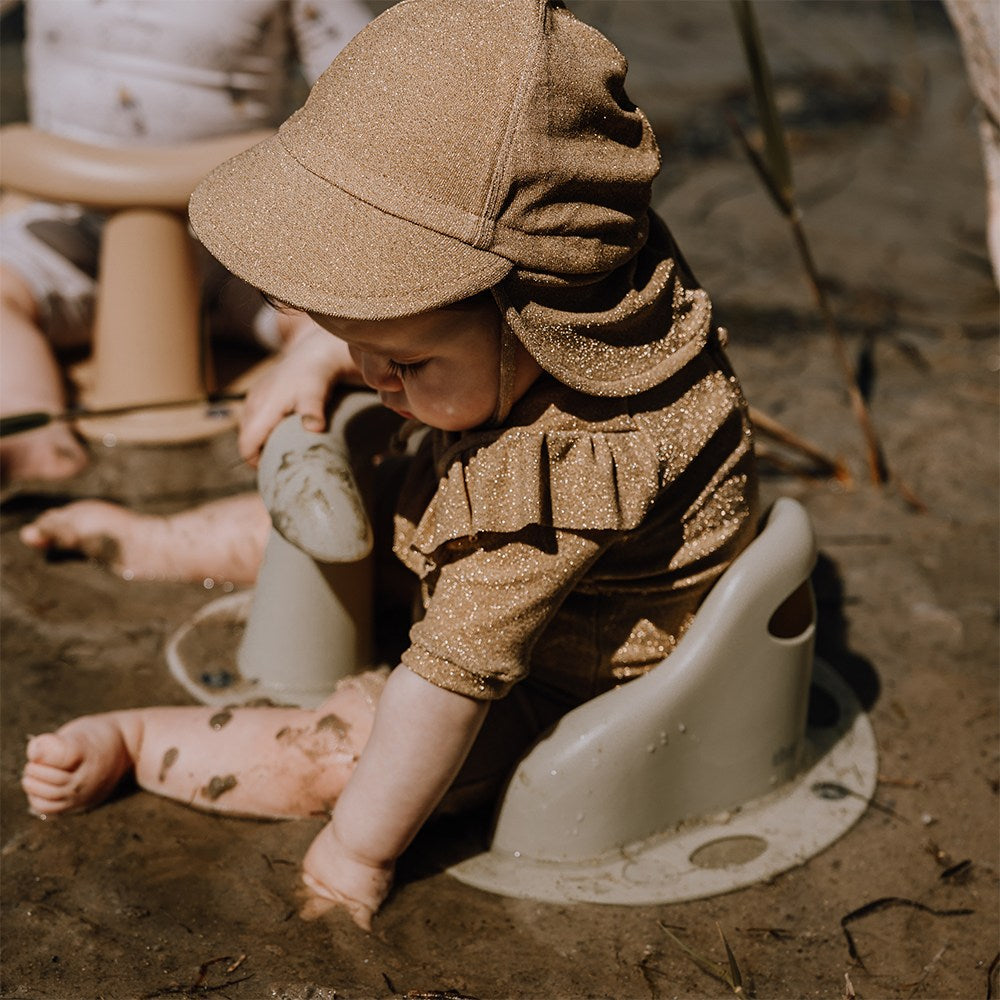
{"points": [[774, 169], [706, 965], [779, 164], [735, 975], [730, 976], [779, 432]]}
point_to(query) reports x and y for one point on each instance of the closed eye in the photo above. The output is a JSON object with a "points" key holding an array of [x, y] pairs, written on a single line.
{"points": [[401, 369]]}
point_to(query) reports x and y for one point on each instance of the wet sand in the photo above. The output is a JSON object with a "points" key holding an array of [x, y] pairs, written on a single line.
{"points": [[146, 898]]}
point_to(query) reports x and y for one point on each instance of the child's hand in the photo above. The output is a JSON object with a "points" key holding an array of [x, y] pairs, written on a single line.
{"points": [[335, 876], [300, 383]]}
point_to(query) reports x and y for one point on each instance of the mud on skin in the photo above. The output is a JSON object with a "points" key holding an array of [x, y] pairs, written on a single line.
{"points": [[219, 786]]}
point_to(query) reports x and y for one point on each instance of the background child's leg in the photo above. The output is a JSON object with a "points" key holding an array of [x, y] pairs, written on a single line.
{"points": [[31, 380], [269, 761], [222, 539]]}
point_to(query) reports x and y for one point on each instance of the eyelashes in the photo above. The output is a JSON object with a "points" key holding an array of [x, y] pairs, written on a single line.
{"points": [[403, 370]]}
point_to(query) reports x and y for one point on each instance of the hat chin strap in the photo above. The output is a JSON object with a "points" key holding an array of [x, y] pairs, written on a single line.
{"points": [[508, 374]]}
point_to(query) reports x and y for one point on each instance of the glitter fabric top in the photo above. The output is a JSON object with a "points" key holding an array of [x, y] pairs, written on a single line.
{"points": [[575, 542]]}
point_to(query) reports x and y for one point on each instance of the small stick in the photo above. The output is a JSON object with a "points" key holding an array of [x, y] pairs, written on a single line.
{"points": [[778, 432], [18, 423]]}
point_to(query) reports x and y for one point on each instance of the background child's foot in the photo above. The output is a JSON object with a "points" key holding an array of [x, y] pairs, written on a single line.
{"points": [[222, 540], [75, 767], [49, 453], [129, 543]]}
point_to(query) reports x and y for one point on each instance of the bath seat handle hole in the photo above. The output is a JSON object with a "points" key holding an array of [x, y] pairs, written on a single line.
{"points": [[795, 615]]}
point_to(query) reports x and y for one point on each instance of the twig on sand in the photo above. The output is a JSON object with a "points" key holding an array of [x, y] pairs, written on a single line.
{"points": [[179, 988], [199, 985], [776, 431], [448, 994], [885, 903]]}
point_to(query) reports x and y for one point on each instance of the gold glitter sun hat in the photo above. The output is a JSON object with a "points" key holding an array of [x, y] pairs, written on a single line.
{"points": [[456, 146]]}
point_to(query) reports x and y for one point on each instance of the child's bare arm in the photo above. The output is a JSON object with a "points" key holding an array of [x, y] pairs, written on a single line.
{"points": [[300, 383], [421, 737]]}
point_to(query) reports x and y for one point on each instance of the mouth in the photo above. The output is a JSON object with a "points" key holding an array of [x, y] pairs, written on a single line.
{"points": [[405, 414]]}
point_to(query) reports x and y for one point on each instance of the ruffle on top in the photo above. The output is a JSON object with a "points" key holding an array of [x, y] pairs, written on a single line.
{"points": [[581, 464], [504, 481]]}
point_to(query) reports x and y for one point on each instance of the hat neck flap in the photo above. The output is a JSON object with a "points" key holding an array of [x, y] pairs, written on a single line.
{"points": [[613, 334]]}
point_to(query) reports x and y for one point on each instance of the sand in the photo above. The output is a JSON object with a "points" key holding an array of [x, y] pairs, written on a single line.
{"points": [[145, 898]]}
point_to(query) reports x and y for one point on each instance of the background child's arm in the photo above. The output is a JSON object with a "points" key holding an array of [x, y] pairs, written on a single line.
{"points": [[299, 382], [421, 737]]}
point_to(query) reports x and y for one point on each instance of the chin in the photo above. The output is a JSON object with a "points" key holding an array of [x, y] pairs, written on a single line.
{"points": [[455, 425]]}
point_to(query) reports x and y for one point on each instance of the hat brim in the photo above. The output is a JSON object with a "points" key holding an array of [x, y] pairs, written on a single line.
{"points": [[302, 240]]}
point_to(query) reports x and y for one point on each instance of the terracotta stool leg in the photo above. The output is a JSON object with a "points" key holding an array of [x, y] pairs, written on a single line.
{"points": [[147, 339]]}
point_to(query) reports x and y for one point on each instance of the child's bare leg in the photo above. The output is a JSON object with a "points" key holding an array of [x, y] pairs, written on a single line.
{"points": [[223, 539], [30, 380], [273, 762]]}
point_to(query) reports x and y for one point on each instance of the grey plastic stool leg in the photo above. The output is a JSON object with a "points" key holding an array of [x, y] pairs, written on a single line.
{"points": [[309, 623]]}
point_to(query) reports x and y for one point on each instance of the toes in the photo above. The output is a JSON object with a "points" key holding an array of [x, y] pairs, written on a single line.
{"points": [[33, 536], [53, 777], [54, 751], [46, 453], [39, 790], [50, 530], [91, 527]]}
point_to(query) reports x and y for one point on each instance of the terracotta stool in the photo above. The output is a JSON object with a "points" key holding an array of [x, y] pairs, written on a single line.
{"points": [[147, 342]]}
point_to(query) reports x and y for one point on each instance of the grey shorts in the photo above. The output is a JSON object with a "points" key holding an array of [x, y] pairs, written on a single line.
{"points": [[55, 249]]}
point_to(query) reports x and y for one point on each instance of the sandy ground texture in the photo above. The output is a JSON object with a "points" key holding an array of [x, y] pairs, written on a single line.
{"points": [[145, 898]]}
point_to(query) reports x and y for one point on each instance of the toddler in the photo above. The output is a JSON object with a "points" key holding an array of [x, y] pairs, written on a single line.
{"points": [[462, 206]]}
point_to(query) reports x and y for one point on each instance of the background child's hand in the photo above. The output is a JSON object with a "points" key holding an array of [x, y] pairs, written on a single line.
{"points": [[335, 876], [299, 382]]}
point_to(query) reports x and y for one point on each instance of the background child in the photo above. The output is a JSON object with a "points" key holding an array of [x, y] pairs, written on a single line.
{"points": [[463, 206], [116, 73]]}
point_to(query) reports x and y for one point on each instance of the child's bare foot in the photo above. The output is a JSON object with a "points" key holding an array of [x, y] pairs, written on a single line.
{"points": [[222, 540], [48, 453], [75, 767]]}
